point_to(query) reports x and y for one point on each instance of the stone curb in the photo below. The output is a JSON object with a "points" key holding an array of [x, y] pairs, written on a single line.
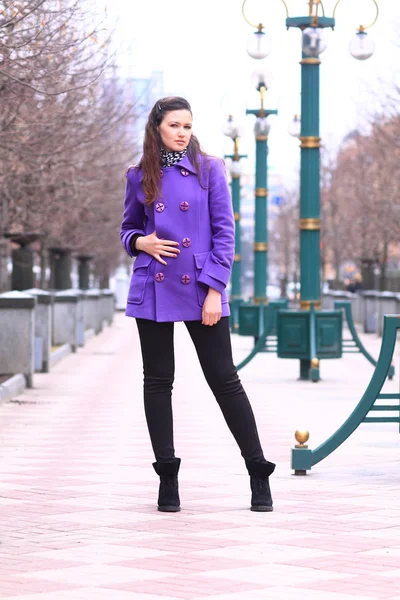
{"points": [[89, 334], [16, 384], [11, 387], [59, 354]]}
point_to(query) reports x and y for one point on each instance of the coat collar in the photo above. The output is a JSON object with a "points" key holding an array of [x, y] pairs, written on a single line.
{"points": [[185, 163]]}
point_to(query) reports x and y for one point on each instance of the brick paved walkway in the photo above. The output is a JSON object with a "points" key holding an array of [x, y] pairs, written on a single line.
{"points": [[77, 491]]}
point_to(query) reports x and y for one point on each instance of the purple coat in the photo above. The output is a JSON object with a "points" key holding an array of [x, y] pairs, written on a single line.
{"points": [[201, 220]]}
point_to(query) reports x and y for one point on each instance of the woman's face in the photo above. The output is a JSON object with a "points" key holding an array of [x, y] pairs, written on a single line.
{"points": [[176, 130]]}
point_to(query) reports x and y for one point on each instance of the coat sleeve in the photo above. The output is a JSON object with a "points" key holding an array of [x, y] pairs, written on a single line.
{"points": [[134, 215], [218, 265]]}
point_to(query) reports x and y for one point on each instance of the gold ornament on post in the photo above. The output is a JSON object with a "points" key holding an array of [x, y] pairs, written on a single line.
{"points": [[302, 436]]}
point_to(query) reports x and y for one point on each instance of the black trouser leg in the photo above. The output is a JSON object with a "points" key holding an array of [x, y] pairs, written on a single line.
{"points": [[213, 347], [157, 344]]}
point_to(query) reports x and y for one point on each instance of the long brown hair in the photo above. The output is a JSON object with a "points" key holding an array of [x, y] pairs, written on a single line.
{"points": [[151, 160]]}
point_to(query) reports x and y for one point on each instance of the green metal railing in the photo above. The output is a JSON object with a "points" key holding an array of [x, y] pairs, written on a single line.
{"points": [[355, 345], [303, 458], [266, 318]]}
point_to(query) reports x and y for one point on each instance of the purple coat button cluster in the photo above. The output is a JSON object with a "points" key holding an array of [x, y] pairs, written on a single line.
{"points": [[184, 172], [177, 291], [159, 207]]}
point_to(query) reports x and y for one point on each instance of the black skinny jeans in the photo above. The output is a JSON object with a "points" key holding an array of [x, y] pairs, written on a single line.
{"points": [[213, 347]]}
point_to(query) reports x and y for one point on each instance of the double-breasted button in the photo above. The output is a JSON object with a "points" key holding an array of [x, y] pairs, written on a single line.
{"points": [[184, 172], [159, 277], [184, 206], [161, 173], [185, 279], [159, 207], [186, 242]]}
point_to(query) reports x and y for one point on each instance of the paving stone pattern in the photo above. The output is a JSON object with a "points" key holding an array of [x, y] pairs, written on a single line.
{"points": [[77, 490]]}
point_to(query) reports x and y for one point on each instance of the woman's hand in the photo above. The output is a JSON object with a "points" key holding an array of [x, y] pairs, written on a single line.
{"points": [[152, 245], [212, 308]]}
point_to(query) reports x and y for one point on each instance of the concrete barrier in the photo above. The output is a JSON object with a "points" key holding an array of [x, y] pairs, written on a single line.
{"points": [[357, 307], [370, 312], [17, 334], [107, 306], [327, 300], [65, 319], [397, 304], [43, 325], [121, 281], [387, 305], [92, 310], [80, 317]]}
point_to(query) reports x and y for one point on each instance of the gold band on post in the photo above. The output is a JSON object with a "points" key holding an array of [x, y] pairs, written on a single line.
{"points": [[310, 61], [310, 141], [261, 192], [237, 258], [237, 216], [235, 176], [261, 138], [257, 300], [306, 304], [261, 247], [310, 224], [315, 363]]}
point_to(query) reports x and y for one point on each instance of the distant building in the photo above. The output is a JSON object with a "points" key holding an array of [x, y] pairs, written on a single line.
{"points": [[141, 93], [275, 198], [145, 91], [276, 194]]}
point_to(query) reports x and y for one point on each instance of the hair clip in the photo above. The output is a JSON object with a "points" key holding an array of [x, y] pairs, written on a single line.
{"points": [[158, 106]]}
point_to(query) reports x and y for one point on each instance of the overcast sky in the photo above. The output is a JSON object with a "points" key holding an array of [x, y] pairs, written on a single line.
{"points": [[200, 45]]}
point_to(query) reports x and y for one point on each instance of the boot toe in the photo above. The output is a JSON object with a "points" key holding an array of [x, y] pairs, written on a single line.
{"points": [[169, 508], [262, 508]]}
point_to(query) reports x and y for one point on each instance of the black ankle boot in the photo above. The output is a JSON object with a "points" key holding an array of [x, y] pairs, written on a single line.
{"points": [[261, 499], [168, 495]]}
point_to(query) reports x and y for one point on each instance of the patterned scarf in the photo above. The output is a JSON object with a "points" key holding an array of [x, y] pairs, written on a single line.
{"points": [[168, 159]]}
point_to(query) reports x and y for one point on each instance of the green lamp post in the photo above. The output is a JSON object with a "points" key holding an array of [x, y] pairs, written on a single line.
{"points": [[310, 334], [232, 131], [251, 321]]}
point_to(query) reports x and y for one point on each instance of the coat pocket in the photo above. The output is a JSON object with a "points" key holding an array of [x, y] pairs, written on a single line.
{"points": [[139, 278], [201, 288]]}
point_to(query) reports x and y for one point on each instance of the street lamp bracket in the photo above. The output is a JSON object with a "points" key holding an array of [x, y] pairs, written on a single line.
{"points": [[259, 26], [313, 19], [362, 27]]}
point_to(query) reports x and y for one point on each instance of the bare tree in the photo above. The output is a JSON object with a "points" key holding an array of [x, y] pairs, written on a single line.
{"points": [[63, 135], [361, 201]]}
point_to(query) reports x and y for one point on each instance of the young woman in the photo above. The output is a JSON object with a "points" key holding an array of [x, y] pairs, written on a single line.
{"points": [[178, 222]]}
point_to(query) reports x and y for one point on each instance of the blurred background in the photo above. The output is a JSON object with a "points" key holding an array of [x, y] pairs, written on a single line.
{"points": [[78, 78]]}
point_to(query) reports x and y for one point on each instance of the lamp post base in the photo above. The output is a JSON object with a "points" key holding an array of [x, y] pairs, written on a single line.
{"points": [[234, 305], [309, 335], [305, 366]]}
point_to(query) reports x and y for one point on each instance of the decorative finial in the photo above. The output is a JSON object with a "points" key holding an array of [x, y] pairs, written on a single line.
{"points": [[302, 436]]}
